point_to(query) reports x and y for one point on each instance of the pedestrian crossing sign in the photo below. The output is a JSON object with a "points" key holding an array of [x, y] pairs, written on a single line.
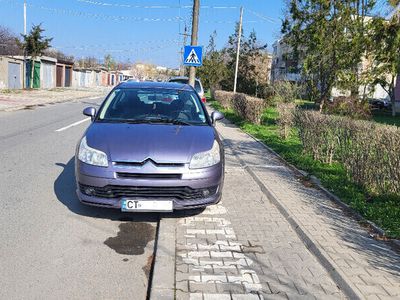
{"points": [[193, 56]]}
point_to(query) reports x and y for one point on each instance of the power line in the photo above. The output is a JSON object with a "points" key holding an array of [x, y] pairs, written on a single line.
{"points": [[94, 46], [105, 17], [265, 18], [107, 4], [126, 51], [96, 16]]}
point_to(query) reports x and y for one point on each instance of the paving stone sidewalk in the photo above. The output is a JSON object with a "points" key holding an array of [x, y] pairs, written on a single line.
{"points": [[246, 248], [19, 99]]}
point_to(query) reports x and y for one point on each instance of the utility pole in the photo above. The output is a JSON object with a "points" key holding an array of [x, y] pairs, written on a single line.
{"points": [[195, 30], [238, 49], [24, 81], [185, 35], [24, 17]]}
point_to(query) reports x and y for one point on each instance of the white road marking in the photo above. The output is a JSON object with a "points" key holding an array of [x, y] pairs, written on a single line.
{"points": [[93, 98], [72, 125], [227, 255]]}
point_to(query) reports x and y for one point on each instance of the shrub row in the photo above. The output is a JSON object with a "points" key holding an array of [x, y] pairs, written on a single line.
{"points": [[369, 151], [286, 118], [247, 107], [224, 98]]}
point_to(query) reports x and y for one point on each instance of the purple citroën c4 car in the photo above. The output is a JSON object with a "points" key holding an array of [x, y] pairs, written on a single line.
{"points": [[150, 147]]}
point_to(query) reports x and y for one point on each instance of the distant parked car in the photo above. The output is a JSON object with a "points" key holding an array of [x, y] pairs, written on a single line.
{"points": [[197, 85], [379, 103], [150, 147]]}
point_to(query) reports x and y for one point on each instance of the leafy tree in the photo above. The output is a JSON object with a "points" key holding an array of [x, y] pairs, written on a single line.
{"points": [[385, 53], [34, 44], [253, 71], [394, 3], [110, 63], [254, 66], [329, 38], [214, 68], [229, 57], [354, 72]]}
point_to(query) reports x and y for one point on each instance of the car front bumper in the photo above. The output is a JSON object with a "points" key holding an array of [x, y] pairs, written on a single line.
{"points": [[102, 187]]}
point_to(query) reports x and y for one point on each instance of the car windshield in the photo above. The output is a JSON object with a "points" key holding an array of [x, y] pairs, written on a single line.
{"points": [[197, 86], [153, 106]]}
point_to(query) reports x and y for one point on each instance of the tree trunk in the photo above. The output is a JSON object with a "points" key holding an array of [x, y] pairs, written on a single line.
{"points": [[32, 73], [392, 96], [393, 101], [322, 104]]}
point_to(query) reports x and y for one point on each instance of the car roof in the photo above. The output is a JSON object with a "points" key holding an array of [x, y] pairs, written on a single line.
{"points": [[155, 85]]}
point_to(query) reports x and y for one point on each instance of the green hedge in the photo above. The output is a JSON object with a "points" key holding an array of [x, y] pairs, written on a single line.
{"points": [[247, 107]]}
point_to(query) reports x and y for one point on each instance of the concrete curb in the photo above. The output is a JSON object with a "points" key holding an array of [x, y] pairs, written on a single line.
{"points": [[339, 277], [375, 228], [163, 281], [21, 107]]}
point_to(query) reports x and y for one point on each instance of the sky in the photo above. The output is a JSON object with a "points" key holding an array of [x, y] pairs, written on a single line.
{"points": [[140, 30]]}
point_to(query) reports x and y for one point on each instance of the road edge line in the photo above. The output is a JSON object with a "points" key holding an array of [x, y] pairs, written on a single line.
{"points": [[163, 281]]}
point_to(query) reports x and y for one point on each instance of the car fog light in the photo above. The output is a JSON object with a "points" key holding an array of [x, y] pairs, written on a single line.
{"points": [[206, 193], [89, 191]]}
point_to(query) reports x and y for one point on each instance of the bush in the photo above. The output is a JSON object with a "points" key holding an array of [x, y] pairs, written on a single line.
{"points": [[249, 108], [224, 98], [285, 92], [286, 118], [369, 151], [349, 106]]}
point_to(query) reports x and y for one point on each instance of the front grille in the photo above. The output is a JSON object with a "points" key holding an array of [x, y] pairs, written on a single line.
{"points": [[142, 163], [148, 176], [116, 191]]}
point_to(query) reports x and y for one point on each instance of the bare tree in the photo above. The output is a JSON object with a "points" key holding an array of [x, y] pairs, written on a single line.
{"points": [[88, 62], [8, 42], [59, 55]]}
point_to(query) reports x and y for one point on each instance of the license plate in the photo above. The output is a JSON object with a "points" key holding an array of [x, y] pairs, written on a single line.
{"points": [[147, 205]]}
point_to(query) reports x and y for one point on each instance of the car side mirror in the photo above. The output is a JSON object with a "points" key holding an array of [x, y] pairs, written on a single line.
{"points": [[90, 112], [216, 116]]}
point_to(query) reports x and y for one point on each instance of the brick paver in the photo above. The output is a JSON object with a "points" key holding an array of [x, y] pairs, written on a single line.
{"points": [[244, 248]]}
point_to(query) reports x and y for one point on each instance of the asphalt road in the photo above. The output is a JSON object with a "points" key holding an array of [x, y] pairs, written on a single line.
{"points": [[51, 246]]}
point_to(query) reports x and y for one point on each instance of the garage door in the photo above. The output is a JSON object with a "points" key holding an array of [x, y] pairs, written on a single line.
{"points": [[14, 76], [59, 79], [48, 75], [67, 76]]}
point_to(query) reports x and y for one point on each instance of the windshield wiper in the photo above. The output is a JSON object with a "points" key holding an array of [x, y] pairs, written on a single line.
{"points": [[123, 121], [168, 121], [149, 121], [139, 121]]}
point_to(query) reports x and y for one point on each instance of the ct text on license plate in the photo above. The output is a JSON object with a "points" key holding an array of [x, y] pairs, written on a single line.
{"points": [[147, 205]]}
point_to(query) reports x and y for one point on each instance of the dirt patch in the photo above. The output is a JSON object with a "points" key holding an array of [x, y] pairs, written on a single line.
{"points": [[132, 238], [147, 268]]}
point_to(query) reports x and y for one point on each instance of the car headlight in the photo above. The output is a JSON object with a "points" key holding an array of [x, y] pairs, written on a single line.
{"points": [[91, 156], [207, 158]]}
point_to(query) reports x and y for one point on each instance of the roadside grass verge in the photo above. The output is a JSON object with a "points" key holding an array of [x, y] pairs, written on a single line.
{"points": [[385, 117], [382, 210]]}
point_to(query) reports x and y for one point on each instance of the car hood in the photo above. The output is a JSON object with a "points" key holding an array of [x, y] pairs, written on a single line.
{"points": [[160, 143]]}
